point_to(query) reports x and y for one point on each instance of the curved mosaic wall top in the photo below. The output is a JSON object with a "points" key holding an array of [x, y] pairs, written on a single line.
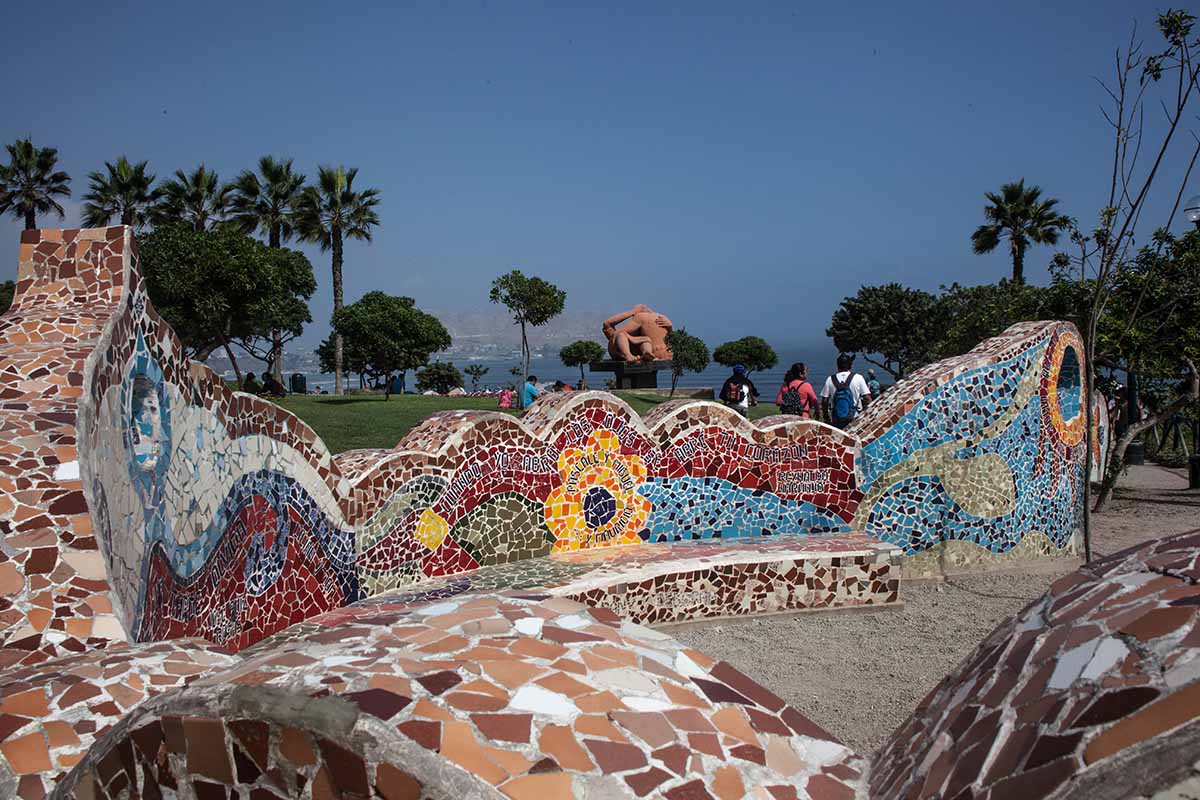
{"points": [[987, 448], [218, 514]]}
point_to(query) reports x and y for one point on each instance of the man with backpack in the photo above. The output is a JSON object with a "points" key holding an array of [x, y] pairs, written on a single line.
{"points": [[738, 392], [845, 394]]}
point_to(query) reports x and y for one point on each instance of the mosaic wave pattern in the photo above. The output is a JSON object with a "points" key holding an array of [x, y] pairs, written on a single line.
{"points": [[986, 448]]}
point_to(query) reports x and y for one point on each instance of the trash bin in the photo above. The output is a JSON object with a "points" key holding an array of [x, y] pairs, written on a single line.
{"points": [[1194, 471], [299, 383]]}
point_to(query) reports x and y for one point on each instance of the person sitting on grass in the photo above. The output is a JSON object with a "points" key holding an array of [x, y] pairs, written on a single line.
{"points": [[250, 384], [506, 397], [271, 387]]}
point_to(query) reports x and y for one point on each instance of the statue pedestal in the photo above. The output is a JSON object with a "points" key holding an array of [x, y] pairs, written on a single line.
{"points": [[632, 374]]}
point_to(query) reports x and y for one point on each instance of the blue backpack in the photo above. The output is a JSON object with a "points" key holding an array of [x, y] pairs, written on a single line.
{"points": [[844, 408]]}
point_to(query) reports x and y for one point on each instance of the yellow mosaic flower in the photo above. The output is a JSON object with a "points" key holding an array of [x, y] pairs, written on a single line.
{"points": [[431, 529], [597, 504]]}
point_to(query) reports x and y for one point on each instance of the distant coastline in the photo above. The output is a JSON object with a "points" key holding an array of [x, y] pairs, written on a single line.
{"points": [[819, 358]]}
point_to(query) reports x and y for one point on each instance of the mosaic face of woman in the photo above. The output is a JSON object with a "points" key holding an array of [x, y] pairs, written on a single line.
{"points": [[147, 423]]}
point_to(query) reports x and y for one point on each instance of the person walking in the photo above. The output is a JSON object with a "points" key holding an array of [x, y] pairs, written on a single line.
{"points": [[873, 384], [845, 394], [739, 392], [796, 396]]}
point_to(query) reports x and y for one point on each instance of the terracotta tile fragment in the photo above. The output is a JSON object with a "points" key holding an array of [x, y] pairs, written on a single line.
{"points": [[560, 743], [643, 783], [727, 783], [379, 702], [459, 745], [469, 701], [504, 727], [394, 784], [425, 733], [1158, 717], [438, 682], [732, 722], [512, 763], [597, 725], [27, 754], [27, 704], [614, 756], [1114, 705], [823, 787], [207, 751], [538, 787], [599, 703], [347, 768], [294, 745], [651, 727], [692, 790], [1158, 622]]}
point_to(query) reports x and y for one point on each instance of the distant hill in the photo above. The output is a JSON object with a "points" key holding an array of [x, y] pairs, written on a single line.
{"points": [[492, 330], [476, 334]]}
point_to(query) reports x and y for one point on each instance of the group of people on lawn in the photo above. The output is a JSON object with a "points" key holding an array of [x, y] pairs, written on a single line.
{"points": [[843, 397], [531, 391], [269, 387]]}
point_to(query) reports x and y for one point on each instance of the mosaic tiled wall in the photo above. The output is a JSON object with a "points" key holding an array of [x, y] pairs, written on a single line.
{"points": [[987, 448], [1092, 691], [483, 695], [582, 471], [137, 493], [222, 516], [54, 592], [219, 515]]}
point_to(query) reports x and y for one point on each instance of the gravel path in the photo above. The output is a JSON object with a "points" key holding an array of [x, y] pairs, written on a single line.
{"points": [[860, 674]]}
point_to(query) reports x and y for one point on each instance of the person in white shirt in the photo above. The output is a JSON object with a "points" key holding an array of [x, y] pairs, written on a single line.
{"points": [[845, 394]]}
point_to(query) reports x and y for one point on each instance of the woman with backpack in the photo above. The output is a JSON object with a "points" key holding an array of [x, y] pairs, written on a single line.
{"points": [[796, 396]]}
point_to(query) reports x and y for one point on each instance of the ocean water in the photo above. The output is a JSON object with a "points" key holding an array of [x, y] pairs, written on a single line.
{"points": [[819, 358]]}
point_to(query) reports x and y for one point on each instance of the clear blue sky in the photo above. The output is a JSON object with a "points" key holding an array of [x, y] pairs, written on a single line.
{"points": [[738, 166]]}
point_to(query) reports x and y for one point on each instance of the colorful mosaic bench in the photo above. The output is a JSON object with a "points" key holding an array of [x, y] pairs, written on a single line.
{"points": [[365, 595], [682, 582]]}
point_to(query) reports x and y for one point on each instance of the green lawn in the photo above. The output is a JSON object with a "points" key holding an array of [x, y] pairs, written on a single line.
{"points": [[366, 420]]}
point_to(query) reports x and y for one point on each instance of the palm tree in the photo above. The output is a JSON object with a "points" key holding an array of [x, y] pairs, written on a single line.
{"points": [[266, 204], [1024, 217], [124, 193], [198, 199], [329, 213], [30, 184]]}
